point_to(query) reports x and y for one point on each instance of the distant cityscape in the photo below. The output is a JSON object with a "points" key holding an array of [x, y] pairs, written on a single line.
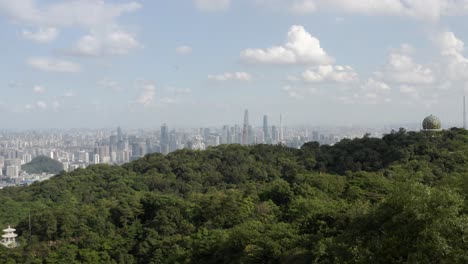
{"points": [[79, 148]]}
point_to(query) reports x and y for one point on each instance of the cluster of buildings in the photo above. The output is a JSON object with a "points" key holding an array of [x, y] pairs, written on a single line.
{"points": [[80, 148]]}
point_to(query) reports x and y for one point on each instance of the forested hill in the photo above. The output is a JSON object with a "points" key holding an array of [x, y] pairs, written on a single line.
{"points": [[43, 164], [400, 199]]}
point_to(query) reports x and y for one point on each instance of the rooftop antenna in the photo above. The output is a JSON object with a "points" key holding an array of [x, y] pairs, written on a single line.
{"points": [[464, 112]]}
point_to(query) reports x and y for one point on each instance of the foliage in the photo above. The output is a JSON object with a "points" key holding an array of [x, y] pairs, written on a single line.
{"points": [[399, 199], [43, 164]]}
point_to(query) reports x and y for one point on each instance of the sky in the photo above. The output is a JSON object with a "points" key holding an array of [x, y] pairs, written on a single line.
{"points": [[194, 63]]}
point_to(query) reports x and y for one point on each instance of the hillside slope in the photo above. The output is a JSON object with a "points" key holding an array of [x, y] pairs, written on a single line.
{"points": [[400, 199], [43, 164]]}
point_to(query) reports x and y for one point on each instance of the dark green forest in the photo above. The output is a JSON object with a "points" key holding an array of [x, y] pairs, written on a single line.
{"points": [[43, 164], [399, 199]]}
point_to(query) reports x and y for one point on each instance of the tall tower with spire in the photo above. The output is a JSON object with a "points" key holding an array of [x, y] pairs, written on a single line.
{"points": [[245, 128]]}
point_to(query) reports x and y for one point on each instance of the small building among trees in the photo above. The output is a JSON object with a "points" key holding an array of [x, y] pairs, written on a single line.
{"points": [[9, 238]]}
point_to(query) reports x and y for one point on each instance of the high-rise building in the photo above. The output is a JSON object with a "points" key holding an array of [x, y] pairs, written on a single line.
{"points": [[236, 135], [266, 131], [225, 137], [12, 171], [65, 166], [164, 140], [245, 129], [251, 136], [27, 158], [97, 159], [275, 134], [119, 135], [149, 146]]}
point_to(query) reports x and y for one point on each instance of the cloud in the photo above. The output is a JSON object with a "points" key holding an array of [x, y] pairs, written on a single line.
{"points": [[86, 14], [38, 89], [42, 35], [371, 92], [293, 93], [303, 7], [375, 86], [455, 64], [407, 89], [88, 46], [400, 68], [330, 73], [97, 17], [113, 43], [418, 9], [53, 65], [301, 48], [120, 43], [147, 95], [212, 5], [231, 76], [184, 50]]}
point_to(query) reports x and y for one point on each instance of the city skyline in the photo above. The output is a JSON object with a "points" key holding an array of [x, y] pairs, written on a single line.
{"points": [[197, 64], [76, 149]]}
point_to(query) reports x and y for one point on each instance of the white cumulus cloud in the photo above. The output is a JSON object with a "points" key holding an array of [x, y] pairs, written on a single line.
{"points": [[331, 73], [375, 86], [87, 14], [301, 48], [113, 43], [401, 68], [420, 9], [455, 64], [53, 65], [97, 17], [231, 76]]}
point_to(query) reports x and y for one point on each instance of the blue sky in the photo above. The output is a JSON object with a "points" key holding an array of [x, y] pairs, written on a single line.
{"points": [[94, 63]]}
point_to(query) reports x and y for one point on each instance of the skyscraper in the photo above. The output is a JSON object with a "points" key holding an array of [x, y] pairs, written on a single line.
{"points": [[245, 129], [225, 136], [164, 141], [275, 134], [119, 134], [266, 131]]}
